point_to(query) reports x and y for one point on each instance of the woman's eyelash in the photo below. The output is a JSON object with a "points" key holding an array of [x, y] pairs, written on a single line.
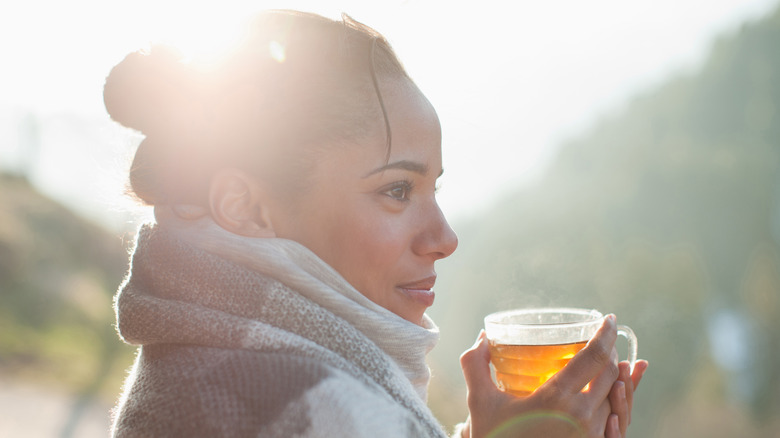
{"points": [[399, 190]]}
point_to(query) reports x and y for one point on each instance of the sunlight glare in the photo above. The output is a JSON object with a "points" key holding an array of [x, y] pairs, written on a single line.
{"points": [[203, 34], [277, 51]]}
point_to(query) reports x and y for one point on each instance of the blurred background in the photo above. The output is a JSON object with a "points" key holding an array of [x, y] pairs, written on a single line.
{"points": [[623, 156]]}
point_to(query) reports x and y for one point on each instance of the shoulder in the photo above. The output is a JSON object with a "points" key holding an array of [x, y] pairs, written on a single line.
{"points": [[200, 391]]}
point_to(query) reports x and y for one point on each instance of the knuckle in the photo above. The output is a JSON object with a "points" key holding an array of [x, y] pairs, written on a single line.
{"points": [[465, 358], [612, 370], [554, 392], [600, 354]]}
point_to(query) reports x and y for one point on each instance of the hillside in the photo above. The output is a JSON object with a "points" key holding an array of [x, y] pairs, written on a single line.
{"points": [[57, 277], [668, 214]]}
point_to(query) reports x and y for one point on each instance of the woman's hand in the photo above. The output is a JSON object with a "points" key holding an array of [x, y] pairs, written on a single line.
{"points": [[561, 407], [622, 397]]}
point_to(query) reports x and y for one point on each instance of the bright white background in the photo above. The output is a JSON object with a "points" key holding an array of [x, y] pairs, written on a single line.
{"points": [[510, 79]]}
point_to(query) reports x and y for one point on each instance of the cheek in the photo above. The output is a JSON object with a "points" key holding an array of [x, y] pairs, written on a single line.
{"points": [[370, 248]]}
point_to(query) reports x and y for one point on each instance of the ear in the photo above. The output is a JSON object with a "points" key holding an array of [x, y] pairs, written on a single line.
{"points": [[239, 204]]}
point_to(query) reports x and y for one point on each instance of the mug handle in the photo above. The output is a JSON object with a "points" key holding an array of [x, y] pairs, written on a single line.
{"points": [[626, 332]]}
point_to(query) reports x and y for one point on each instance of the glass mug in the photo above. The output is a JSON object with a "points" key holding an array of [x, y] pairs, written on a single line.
{"points": [[528, 346]]}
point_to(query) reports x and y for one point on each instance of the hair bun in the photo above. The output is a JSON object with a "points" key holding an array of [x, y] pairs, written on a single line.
{"points": [[146, 89]]}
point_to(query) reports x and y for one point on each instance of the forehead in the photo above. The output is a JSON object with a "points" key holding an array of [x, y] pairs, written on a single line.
{"points": [[415, 135], [343, 170], [402, 97], [413, 123]]}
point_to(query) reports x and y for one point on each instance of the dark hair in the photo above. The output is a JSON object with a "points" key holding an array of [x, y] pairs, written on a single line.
{"points": [[296, 81]]}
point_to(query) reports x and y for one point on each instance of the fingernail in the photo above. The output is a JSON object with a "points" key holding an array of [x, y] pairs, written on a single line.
{"points": [[621, 390], [612, 317], [614, 422]]}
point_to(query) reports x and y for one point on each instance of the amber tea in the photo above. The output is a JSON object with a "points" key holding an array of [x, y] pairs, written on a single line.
{"points": [[529, 346]]}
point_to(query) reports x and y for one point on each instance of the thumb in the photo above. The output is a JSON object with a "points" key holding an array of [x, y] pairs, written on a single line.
{"points": [[475, 363]]}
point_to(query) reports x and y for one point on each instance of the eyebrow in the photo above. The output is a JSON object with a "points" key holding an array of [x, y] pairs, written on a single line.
{"points": [[411, 166]]}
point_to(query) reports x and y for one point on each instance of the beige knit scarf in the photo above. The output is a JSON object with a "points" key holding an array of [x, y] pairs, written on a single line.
{"points": [[391, 353]]}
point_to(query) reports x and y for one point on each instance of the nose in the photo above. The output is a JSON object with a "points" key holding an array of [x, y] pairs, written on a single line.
{"points": [[437, 239]]}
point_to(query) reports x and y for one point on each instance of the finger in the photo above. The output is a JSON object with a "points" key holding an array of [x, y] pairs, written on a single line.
{"points": [[619, 404], [599, 420], [624, 375], [475, 363], [590, 361], [599, 388], [639, 371], [613, 428]]}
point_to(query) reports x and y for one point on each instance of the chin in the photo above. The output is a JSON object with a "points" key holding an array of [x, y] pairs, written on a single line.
{"points": [[416, 318]]}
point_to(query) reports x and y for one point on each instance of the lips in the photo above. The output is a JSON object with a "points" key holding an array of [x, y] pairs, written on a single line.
{"points": [[420, 291]]}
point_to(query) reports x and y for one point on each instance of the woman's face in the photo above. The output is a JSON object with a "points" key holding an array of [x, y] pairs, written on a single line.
{"points": [[376, 221]]}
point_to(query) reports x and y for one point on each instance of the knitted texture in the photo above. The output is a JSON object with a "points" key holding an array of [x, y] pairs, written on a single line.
{"points": [[259, 337]]}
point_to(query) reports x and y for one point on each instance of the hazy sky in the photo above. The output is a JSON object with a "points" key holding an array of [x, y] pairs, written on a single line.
{"points": [[510, 79]]}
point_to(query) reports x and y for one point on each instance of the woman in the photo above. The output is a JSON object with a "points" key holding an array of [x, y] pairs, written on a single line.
{"points": [[282, 290]]}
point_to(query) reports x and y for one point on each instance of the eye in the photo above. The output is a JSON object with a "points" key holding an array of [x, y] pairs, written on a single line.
{"points": [[399, 191]]}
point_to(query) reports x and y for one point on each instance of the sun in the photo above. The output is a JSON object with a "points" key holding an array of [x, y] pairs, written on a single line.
{"points": [[200, 31], [203, 32]]}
